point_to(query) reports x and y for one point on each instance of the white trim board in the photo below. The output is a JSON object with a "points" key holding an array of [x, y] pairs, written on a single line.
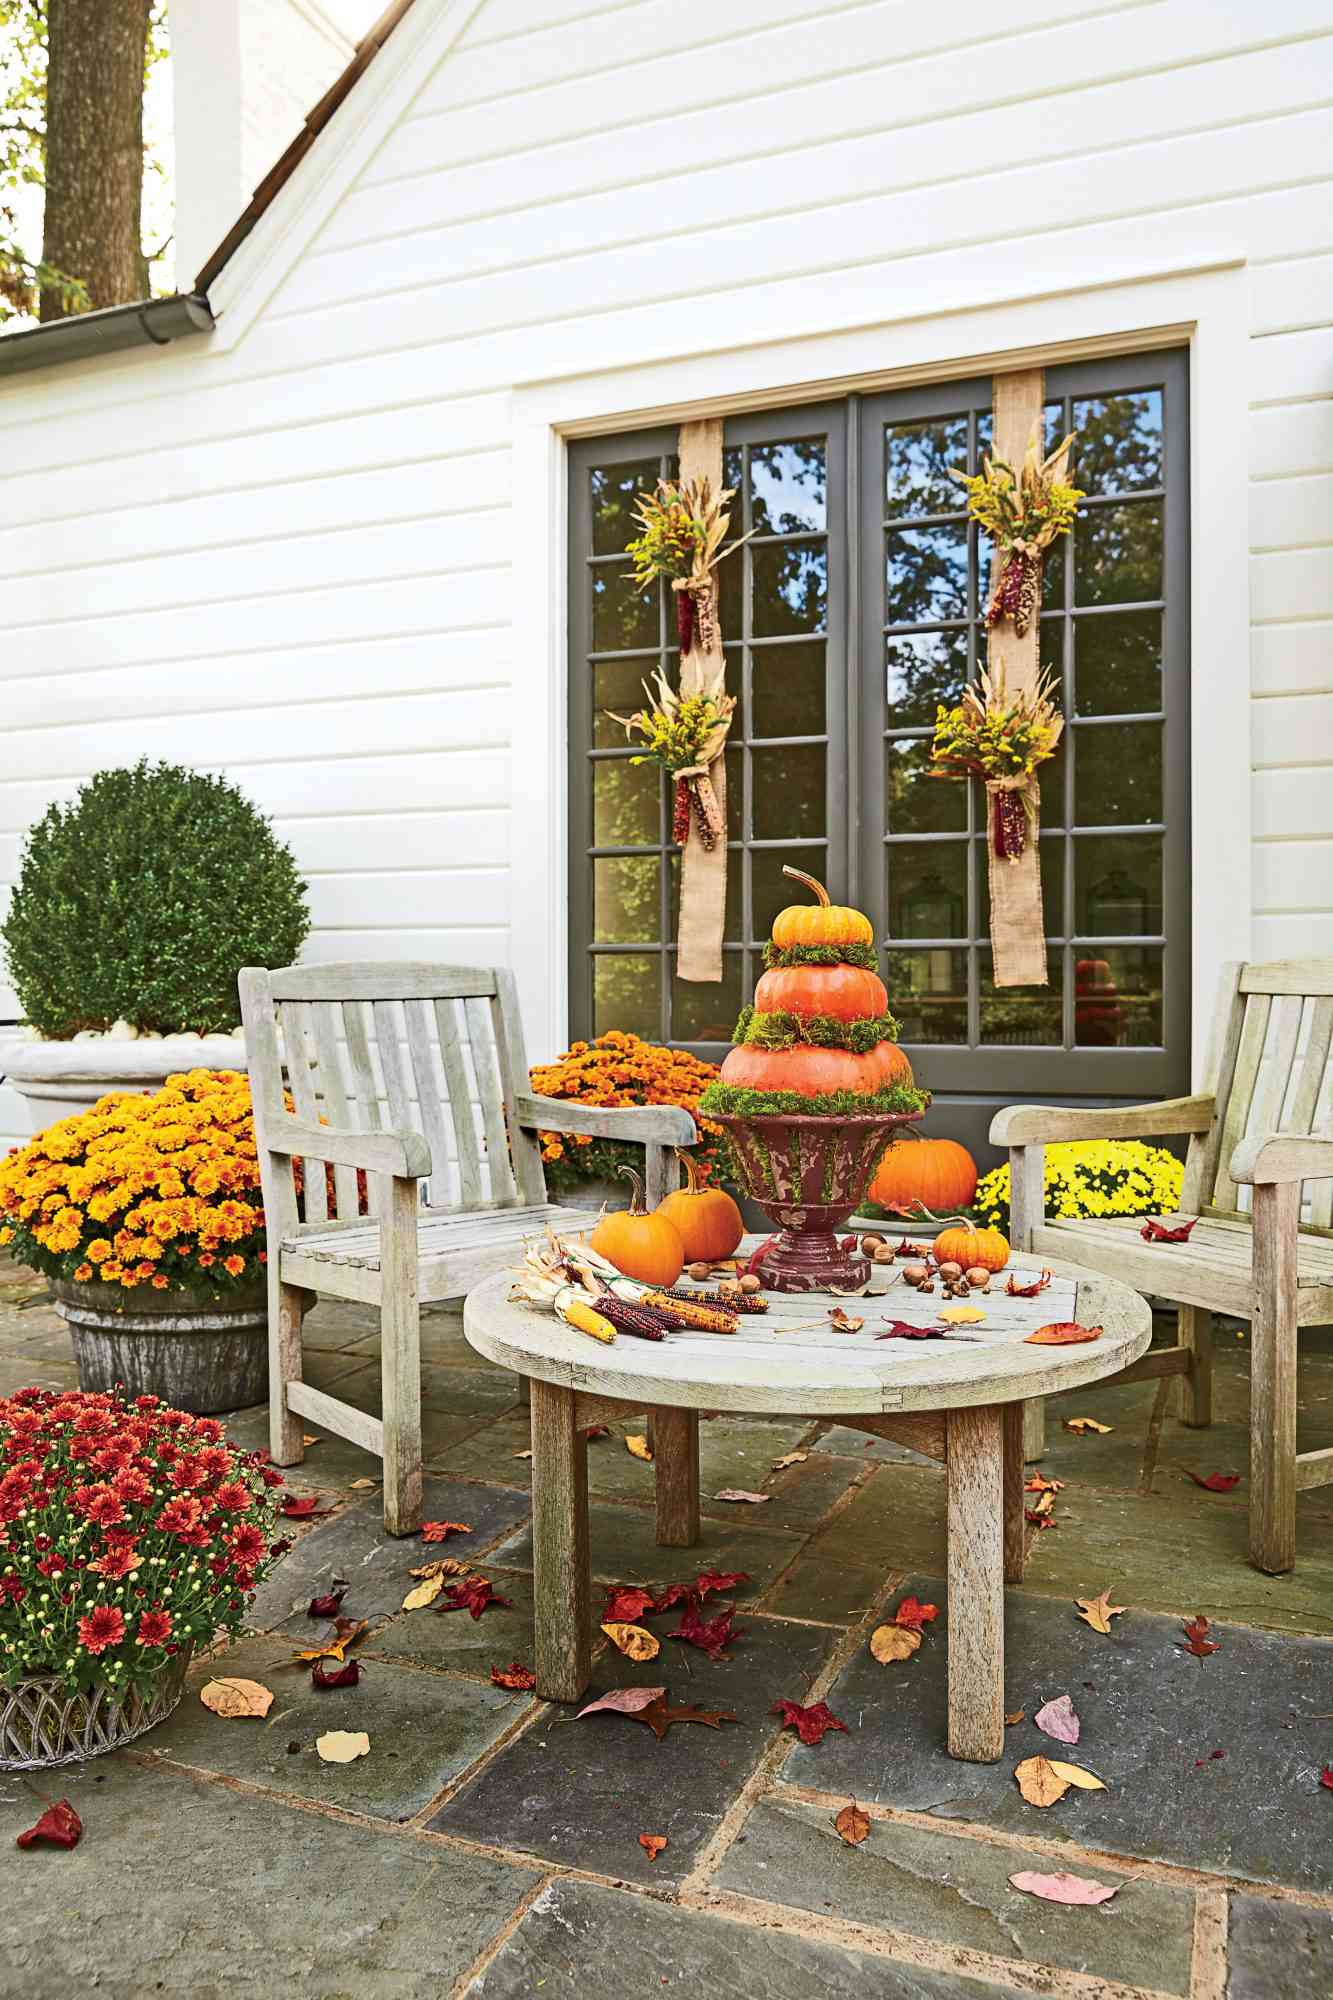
{"points": [[1202, 303]]}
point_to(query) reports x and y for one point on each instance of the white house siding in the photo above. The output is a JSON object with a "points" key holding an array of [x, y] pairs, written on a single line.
{"points": [[291, 559]]}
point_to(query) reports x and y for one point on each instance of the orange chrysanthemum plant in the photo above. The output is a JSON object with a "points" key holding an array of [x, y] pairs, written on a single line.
{"points": [[161, 1191], [129, 1533], [619, 1069]]}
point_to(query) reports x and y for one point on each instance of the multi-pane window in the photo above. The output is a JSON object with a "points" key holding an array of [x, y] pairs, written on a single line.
{"points": [[856, 607]]}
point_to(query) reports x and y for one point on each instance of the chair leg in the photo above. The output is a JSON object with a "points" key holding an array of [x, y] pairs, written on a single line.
{"points": [[400, 1360], [1273, 1378], [287, 1308], [676, 1467], [1196, 1387]]}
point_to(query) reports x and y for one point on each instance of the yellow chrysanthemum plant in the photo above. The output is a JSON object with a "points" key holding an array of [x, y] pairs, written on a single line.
{"points": [[160, 1191], [1089, 1177]]}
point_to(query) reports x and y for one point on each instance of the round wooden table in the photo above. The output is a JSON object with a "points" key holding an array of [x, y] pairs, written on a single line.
{"points": [[959, 1400]]}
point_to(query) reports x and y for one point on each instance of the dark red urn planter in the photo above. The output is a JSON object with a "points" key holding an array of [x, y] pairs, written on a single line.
{"points": [[809, 1174]]}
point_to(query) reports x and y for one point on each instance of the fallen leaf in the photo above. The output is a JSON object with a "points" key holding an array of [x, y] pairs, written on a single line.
{"points": [[637, 1447], [1015, 1715], [518, 1678], [906, 1329], [1074, 1774], [623, 1701], [522, 1454], [440, 1531], [1063, 1888], [472, 1595], [1157, 1232], [59, 1826], [1039, 1782], [652, 1844], [634, 1641], [442, 1566], [894, 1642], [853, 1824], [914, 1615], [309, 1439], [961, 1315], [718, 1579], [236, 1697], [343, 1746], [595, 1432], [1326, 1777], [739, 1493], [629, 1603], [346, 1632], [1098, 1611], [1058, 1719], [1043, 1504], [425, 1593], [710, 1635], [326, 1607], [363, 1485], [1213, 1482], [844, 1321], [1063, 1333], [1039, 1521], [790, 1458], [303, 1506], [344, 1674], [660, 1716], [1195, 1640], [1082, 1426], [1037, 1482], [1027, 1291], [811, 1724]]}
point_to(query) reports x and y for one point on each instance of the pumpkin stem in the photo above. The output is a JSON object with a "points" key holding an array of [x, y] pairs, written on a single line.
{"points": [[820, 892], [636, 1206], [945, 1221], [691, 1167]]}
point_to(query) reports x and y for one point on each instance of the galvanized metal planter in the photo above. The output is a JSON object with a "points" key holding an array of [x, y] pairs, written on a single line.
{"points": [[202, 1358], [43, 1724]]}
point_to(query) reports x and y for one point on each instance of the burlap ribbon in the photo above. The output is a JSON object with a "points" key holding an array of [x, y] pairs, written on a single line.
{"points": [[1017, 925], [703, 870]]}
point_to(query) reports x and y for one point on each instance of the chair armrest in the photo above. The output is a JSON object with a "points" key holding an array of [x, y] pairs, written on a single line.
{"points": [[636, 1124], [1040, 1124], [403, 1154], [1282, 1157]]}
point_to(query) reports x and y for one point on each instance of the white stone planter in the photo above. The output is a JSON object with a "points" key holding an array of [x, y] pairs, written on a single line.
{"points": [[60, 1079]]}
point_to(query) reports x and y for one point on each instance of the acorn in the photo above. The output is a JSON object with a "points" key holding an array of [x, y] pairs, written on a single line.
{"points": [[978, 1278], [916, 1274], [951, 1273], [749, 1283]]}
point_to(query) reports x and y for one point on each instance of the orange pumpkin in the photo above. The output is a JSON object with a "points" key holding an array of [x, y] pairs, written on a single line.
{"points": [[963, 1244], [820, 923], [938, 1172], [640, 1244], [813, 1072], [842, 992], [707, 1219]]}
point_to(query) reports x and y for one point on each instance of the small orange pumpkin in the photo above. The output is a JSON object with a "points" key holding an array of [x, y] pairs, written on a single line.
{"points": [[640, 1244], [938, 1172], [707, 1219], [843, 992], [821, 923], [962, 1243]]}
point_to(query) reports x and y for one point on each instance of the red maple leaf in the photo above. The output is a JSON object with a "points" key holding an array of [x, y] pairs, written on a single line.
{"points": [[710, 1635], [627, 1603], [473, 1594], [719, 1579], [1215, 1482], [440, 1531], [811, 1724], [1039, 1520], [595, 1431], [913, 1615], [302, 1507], [1157, 1232], [326, 1607], [1196, 1640], [1027, 1291], [1325, 1779], [903, 1329], [516, 1676], [335, 1673], [59, 1825]]}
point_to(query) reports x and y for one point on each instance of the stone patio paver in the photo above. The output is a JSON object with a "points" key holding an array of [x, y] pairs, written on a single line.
{"points": [[1279, 1951], [624, 1547]]}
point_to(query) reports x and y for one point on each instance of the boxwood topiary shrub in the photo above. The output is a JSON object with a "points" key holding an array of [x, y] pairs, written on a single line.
{"points": [[142, 900]]}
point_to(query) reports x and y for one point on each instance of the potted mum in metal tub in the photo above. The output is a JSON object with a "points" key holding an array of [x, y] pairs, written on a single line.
{"points": [[130, 1535], [145, 1213]]}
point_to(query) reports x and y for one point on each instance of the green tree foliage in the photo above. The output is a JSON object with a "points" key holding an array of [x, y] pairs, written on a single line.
{"points": [[142, 900]]}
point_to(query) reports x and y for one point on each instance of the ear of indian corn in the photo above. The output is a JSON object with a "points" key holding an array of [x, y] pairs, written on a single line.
{"points": [[575, 1310], [707, 1319]]}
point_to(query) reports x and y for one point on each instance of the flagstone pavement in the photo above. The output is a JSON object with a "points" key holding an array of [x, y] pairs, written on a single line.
{"points": [[488, 1844]]}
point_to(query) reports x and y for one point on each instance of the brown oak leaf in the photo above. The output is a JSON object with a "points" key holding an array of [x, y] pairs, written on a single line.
{"points": [[844, 1321], [660, 1716], [853, 1824], [1098, 1611], [811, 1724]]}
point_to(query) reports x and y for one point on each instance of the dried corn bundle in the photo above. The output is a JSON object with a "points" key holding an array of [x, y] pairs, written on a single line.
{"points": [[629, 1317], [728, 1302], [705, 1318]]}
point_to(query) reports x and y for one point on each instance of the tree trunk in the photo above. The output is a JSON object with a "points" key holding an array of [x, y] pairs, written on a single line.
{"points": [[94, 148]]}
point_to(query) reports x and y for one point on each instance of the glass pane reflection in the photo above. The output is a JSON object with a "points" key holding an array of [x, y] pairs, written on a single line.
{"points": [[1118, 998], [928, 994]]}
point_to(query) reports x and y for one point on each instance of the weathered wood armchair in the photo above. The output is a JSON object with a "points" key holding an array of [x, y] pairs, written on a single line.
{"points": [[1266, 1088], [410, 1081]]}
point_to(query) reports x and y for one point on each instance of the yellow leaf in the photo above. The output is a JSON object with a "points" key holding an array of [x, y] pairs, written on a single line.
{"points": [[634, 1641], [236, 1697], [790, 1458], [961, 1315], [1040, 1782], [894, 1642], [637, 1447], [1074, 1774], [425, 1593], [343, 1746], [1098, 1611], [1080, 1426], [363, 1485]]}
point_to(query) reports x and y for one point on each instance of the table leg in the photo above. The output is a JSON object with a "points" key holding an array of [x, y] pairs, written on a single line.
{"points": [[976, 1583], [1015, 1525], [676, 1463], [561, 1567]]}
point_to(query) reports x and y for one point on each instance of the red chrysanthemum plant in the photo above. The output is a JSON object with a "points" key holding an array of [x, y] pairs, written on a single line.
{"points": [[129, 1534]]}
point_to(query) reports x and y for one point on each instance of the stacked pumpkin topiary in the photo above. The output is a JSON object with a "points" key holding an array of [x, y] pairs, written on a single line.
{"points": [[813, 1089]]}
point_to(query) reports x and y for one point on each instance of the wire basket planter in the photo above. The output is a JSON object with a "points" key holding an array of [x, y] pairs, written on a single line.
{"points": [[43, 1724]]}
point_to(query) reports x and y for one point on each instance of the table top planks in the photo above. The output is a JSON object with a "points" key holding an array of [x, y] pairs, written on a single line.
{"points": [[793, 1359]]}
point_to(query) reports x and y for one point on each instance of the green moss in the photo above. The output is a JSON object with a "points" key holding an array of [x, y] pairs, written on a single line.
{"points": [[779, 1030], [821, 954], [729, 1100]]}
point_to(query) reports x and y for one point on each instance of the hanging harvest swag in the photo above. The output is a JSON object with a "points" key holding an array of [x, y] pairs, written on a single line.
{"points": [[684, 526], [1000, 738], [685, 734], [1023, 515]]}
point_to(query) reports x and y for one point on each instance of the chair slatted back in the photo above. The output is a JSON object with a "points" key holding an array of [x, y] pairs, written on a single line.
{"points": [[1269, 1067], [432, 1048]]}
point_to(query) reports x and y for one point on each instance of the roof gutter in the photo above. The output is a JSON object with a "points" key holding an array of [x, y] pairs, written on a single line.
{"points": [[150, 323]]}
